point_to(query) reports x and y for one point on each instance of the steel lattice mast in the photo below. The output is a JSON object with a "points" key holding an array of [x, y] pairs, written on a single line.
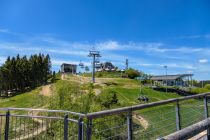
{"points": [[94, 54]]}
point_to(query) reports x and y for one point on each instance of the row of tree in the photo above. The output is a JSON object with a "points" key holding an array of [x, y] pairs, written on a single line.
{"points": [[19, 73]]}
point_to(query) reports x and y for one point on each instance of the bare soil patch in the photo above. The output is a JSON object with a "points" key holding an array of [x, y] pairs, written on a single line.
{"points": [[46, 90]]}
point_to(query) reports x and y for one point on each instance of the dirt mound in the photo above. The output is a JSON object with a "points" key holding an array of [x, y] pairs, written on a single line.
{"points": [[46, 90], [144, 123]]}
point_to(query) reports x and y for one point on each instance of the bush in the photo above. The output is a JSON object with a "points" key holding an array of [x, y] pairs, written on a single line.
{"points": [[207, 86], [199, 90], [132, 73], [108, 99], [99, 74]]}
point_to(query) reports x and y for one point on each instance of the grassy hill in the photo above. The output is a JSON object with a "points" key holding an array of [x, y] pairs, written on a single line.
{"points": [[127, 91], [76, 93]]}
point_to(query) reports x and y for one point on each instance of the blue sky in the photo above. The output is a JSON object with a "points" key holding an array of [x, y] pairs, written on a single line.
{"points": [[150, 33]]}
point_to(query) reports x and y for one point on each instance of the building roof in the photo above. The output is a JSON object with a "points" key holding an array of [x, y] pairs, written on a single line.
{"points": [[169, 77], [68, 64]]}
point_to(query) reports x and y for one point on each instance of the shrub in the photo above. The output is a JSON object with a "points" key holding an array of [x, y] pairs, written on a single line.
{"points": [[108, 99], [199, 90], [99, 74], [207, 86], [132, 73]]}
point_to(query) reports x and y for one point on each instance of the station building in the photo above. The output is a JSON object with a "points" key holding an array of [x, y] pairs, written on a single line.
{"points": [[183, 80], [69, 68]]}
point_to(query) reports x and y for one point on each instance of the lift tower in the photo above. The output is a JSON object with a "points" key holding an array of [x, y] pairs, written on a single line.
{"points": [[94, 54]]}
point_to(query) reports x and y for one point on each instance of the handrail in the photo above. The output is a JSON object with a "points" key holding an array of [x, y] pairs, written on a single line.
{"points": [[141, 106], [189, 131], [113, 111], [44, 110]]}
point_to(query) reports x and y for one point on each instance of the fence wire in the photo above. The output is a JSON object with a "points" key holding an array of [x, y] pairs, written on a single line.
{"points": [[151, 122], [154, 122], [35, 125], [110, 127], [191, 111]]}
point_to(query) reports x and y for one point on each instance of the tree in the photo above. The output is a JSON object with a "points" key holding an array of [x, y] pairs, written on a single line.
{"points": [[132, 73], [53, 77], [87, 69], [19, 73], [145, 78]]}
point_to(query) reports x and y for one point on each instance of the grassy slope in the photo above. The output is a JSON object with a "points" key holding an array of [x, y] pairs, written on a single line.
{"points": [[127, 92], [126, 89], [161, 119], [27, 99]]}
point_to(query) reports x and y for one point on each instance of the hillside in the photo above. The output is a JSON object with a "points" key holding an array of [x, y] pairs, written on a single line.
{"points": [[76, 93], [127, 91]]}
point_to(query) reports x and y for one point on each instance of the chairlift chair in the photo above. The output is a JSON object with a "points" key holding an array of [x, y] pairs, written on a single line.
{"points": [[81, 64], [97, 61], [97, 66]]}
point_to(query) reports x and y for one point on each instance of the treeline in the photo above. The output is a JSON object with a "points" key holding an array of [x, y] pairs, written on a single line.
{"points": [[19, 73]]}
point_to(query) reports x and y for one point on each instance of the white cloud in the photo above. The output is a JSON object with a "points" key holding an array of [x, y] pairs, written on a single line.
{"points": [[2, 60], [26, 48], [7, 31], [4, 30], [203, 61], [205, 36], [151, 56], [170, 65], [108, 45], [58, 62], [190, 71]]}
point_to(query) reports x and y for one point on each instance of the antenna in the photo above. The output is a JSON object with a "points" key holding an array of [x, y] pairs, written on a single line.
{"points": [[94, 54], [126, 64]]}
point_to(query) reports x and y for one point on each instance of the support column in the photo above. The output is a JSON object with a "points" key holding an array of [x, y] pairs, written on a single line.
{"points": [[130, 125], [80, 129], [89, 129], [178, 123], [206, 115], [66, 127], [6, 132]]}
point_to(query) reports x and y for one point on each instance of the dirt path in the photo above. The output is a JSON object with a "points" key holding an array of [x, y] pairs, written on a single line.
{"points": [[46, 90], [36, 131], [97, 91], [62, 76], [79, 79], [144, 123], [82, 79]]}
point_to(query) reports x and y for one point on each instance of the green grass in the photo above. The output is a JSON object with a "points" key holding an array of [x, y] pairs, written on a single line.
{"points": [[104, 74], [129, 96], [25, 100], [161, 119]]}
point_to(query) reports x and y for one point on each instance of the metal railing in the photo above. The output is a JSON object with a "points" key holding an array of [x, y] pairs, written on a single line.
{"points": [[146, 121], [27, 123], [190, 131]]}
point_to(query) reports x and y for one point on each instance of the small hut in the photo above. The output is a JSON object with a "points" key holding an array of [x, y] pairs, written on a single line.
{"points": [[68, 68]]}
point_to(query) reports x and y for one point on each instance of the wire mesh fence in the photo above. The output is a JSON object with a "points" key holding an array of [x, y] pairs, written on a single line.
{"points": [[110, 127], [191, 111], [154, 122], [150, 121], [38, 125], [146, 121]]}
